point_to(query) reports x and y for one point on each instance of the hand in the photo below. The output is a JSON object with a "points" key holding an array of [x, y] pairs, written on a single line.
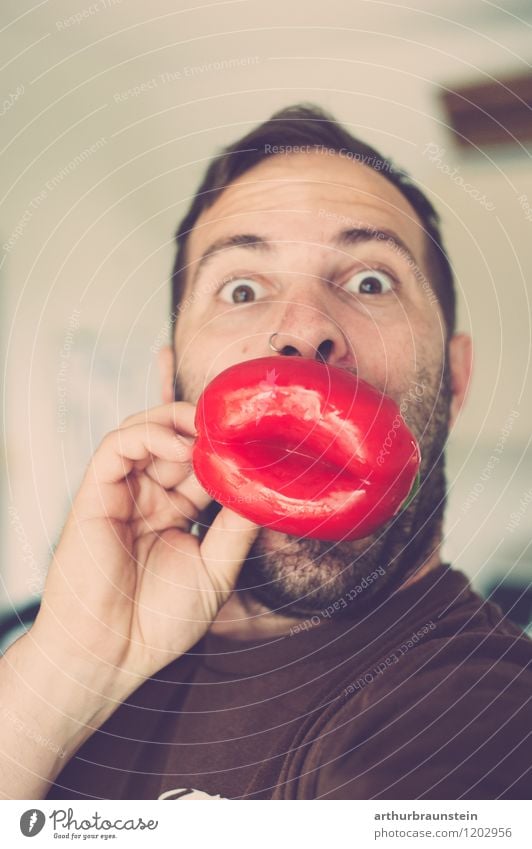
{"points": [[130, 588]]}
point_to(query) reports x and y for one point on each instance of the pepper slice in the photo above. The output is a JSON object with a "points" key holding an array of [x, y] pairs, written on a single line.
{"points": [[303, 448]]}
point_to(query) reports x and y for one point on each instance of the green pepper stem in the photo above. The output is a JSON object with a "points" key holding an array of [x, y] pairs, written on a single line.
{"points": [[413, 490]]}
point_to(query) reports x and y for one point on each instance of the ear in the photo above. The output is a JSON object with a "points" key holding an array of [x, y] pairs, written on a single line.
{"points": [[166, 364], [461, 365]]}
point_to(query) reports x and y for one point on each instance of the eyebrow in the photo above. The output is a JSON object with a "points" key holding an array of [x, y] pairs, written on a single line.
{"points": [[345, 238]]}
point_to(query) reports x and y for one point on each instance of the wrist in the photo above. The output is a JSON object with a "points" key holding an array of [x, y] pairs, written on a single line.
{"points": [[60, 701]]}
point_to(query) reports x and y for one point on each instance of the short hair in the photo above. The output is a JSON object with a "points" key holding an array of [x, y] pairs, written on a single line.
{"points": [[299, 126]]}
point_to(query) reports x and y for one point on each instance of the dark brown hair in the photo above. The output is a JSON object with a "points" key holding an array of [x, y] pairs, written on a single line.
{"points": [[300, 125]]}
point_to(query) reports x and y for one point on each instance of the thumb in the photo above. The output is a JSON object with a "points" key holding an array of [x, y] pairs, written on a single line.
{"points": [[226, 545]]}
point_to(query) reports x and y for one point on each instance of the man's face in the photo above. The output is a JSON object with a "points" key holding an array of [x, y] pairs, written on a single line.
{"points": [[363, 304]]}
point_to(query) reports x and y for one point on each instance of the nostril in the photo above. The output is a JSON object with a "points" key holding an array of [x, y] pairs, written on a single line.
{"points": [[290, 351], [324, 351]]}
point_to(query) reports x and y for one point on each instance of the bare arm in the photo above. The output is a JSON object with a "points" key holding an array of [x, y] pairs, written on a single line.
{"points": [[129, 590]]}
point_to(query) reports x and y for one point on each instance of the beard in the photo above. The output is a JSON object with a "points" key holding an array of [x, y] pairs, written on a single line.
{"points": [[295, 576]]}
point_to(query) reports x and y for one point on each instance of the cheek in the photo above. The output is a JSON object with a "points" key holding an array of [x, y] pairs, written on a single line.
{"points": [[392, 357], [192, 359], [202, 352], [385, 354], [220, 337]]}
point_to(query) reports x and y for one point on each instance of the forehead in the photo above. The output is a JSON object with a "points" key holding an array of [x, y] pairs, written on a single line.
{"points": [[307, 196]]}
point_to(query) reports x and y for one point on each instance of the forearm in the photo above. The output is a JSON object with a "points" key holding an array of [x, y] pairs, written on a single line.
{"points": [[46, 714]]}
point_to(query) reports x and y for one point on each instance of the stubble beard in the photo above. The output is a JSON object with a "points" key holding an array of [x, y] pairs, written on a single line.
{"points": [[300, 577]]}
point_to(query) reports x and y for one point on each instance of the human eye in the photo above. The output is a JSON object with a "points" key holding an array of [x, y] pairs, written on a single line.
{"points": [[241, 290], [370, 281]]}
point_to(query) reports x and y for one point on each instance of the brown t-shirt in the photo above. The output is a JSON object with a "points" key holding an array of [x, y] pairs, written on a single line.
{"points": [[425, 696]]}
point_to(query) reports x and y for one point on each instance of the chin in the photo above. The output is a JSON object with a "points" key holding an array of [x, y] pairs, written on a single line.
{"points": [[299, 576]]}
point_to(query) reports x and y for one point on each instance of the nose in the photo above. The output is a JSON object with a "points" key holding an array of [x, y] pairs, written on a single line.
{"points": [[301, 349], [314, 336]]}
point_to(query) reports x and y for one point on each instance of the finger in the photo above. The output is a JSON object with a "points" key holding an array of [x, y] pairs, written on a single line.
{"points": [[169, 474], [134, 447], [175, 511], [191, 488], [226, 546], [177, 414]]}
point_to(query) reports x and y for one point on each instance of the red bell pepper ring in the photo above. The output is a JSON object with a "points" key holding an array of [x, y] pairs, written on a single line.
{"points": [[304, 448]]}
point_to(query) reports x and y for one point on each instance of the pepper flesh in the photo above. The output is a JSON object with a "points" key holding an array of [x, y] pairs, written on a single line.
{"points": [[303, 448]]}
